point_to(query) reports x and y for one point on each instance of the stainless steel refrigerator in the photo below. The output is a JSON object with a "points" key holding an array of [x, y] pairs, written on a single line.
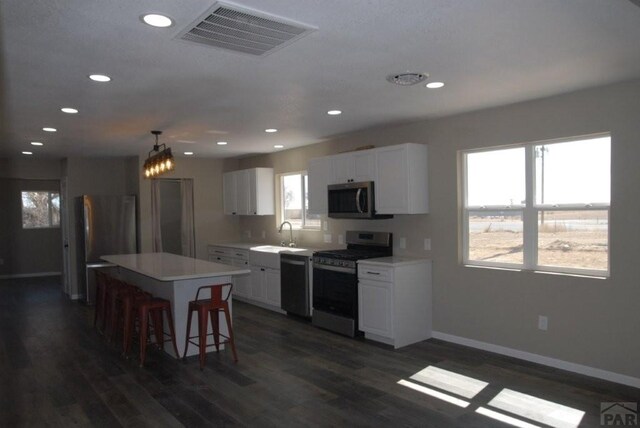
{"points": [[105, 225]]}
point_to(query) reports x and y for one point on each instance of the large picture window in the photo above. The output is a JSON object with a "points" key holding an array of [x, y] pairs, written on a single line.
{"points": [[294, 198], [40, 209], [540, 206]]}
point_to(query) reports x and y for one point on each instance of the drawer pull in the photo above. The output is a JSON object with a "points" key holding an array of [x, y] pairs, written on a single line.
{"points": [[219, 252], [373, 273]]}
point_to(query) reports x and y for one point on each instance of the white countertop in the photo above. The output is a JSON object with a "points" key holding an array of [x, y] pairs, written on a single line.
{"points": [[171, 267], [394, 261], [237, 245], [249, 245]]}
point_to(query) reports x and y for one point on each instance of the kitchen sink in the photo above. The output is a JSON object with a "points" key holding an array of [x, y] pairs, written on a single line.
{"points": [[269, 255]]}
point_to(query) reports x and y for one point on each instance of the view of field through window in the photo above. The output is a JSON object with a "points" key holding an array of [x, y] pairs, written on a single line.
{"points": [[572, 192]]}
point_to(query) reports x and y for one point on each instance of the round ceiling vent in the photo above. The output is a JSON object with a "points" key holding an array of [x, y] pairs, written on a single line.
{"points": [[407, 79]]}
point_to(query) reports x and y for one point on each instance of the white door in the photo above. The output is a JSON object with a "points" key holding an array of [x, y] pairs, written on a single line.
{"points": [[319, 172], [257, 283], [242, 192], [241, 283], [375, 306], [272, 287], [342, 168], [392, 184], [364, 166], [229, 193]]}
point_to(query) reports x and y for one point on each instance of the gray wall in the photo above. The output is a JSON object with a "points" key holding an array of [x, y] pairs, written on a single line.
{"points": [[94, 176], [593, 322], [210, 223], [26, 251]]}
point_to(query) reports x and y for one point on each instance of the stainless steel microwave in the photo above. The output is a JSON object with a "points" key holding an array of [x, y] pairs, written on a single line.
{"points": [[353, 200]]}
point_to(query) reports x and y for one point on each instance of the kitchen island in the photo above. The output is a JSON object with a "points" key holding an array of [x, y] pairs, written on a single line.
{"points": [[177, 279]]}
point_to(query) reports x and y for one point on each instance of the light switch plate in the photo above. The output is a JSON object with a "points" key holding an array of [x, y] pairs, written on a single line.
{"points": [[327, 238], [543, 322], [402, 243], [325, 225], [427, 244]]}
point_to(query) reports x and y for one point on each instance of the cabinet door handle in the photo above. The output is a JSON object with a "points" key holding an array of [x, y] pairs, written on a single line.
{"points": [[239, 254], [262, 269], [373, 273]]}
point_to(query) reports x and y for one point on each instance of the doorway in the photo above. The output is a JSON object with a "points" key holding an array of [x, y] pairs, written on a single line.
{"points": [[172, 216]]}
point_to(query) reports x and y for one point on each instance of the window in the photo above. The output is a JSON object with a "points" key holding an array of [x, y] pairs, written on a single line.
{"points": [[294, 197], [40, 209], [540, 206]]}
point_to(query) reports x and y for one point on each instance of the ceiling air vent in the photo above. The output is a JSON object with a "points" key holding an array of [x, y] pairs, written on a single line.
{"points": [[231, 27], [407, 79]]}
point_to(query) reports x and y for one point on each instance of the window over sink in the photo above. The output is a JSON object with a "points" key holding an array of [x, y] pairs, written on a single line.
{"points": [[40, 209], [294, 201]]}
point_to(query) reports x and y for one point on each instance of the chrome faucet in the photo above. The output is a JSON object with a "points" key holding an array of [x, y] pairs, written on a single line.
{"points": [[291, 241]]}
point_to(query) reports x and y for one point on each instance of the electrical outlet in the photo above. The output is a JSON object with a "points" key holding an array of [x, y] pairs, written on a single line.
{"points": [[340, 239], [327, 238], [427, 244], [402, 243], [543, 322], [264, 234]]}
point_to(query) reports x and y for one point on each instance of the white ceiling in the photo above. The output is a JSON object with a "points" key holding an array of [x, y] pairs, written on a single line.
{"points": [[488, 52]]}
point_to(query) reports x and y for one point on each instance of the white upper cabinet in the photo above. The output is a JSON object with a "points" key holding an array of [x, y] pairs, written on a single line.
{"points": [[249, 192], [401, 186], [319, 171], [399, 174], [354, 167], [229, 195]]}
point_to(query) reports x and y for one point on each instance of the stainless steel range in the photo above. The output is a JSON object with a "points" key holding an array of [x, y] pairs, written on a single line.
{"points": [[335, 280]]}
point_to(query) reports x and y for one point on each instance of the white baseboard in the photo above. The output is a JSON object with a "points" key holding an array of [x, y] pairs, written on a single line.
{"points": [[541, 359], [30, 275]]}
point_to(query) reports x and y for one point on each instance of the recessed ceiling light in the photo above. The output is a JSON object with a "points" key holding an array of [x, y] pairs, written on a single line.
{"points": [[278, 146], [99, 78], [69, 110], [49, 129], [334, 112], [27, 153], [221, 143], [188, 153], [435, 85], [157, 20], [36, 143], [270, 130]]}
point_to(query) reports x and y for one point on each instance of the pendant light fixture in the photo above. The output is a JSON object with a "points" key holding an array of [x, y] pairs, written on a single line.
{"points": [[161, 161]]}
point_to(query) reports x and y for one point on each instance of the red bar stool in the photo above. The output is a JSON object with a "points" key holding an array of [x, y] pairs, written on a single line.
{"points": [[102, 283], [130, 306], [115, 292], [210, 307], [155, 307]]}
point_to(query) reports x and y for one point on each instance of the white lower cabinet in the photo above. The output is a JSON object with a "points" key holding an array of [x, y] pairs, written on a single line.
{"points": [[265, 285], [394, 300], [233, 257], [272, 287], [377, 298]]}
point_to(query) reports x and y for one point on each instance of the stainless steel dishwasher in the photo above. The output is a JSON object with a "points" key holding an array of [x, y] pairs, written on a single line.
{"points": [[295, 283]]}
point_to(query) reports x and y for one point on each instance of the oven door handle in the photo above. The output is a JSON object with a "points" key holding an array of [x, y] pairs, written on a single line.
{"points": [[335, 268], [358, 193]]}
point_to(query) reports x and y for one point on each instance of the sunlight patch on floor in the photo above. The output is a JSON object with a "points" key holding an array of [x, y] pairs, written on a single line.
{"points": [[433, 393], [537, 409], [504, 418], [455, 383]]}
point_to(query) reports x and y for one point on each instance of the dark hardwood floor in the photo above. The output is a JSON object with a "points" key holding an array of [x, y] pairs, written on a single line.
{"points": [[56, 370]]}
